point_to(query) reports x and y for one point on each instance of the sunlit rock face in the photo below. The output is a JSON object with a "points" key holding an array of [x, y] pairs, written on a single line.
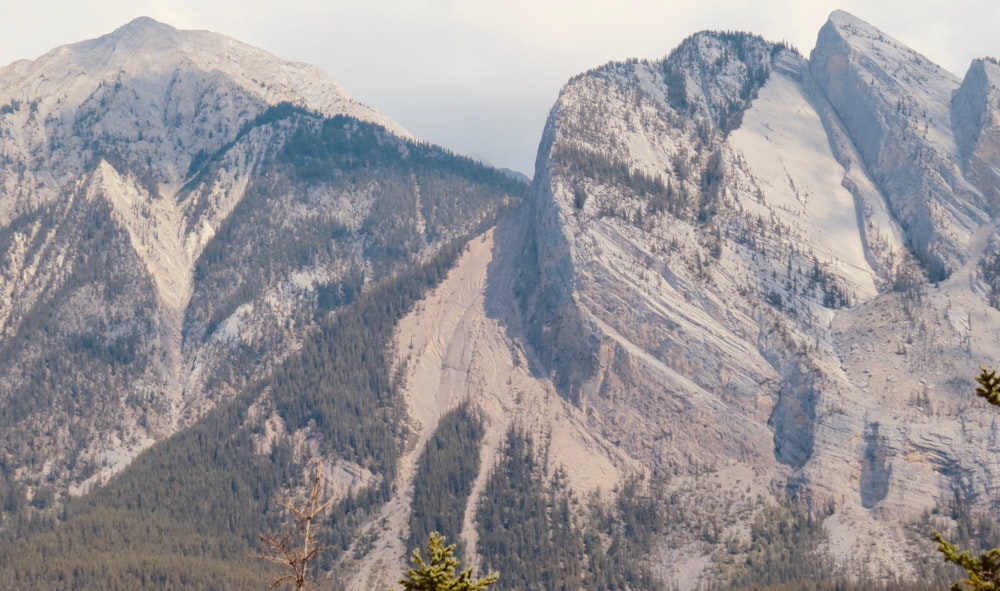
{"points": [[975, 117], [739, 256], [757, 277]]}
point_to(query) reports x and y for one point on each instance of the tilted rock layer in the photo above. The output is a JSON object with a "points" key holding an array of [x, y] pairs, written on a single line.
{"points": [[752, 274], [740, 256]]}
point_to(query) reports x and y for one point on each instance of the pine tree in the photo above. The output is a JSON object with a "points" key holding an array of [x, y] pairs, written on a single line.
{"points": [[439, 573]]}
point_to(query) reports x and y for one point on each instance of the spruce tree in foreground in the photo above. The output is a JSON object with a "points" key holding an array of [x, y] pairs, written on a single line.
{"points": [[984, 571], [439, 573]]}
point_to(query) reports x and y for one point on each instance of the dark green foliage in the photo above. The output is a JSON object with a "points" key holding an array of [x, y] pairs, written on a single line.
{"points": [[607, 171], [198, 498], [12, 494], [983, 572], [972, 529], [341, 293], [834, 293], [673, 76], [212, 486], [621, 538], [579, 197], [78, 347], [445, 473], [418, 195], [711, 187], [527, 528], [532, 527], [783, 542], [958, 521], [748, 54], [989, 386], [907, 280], [340, 381], [989, 267], [604, 170], [111, 549], [440, 571]]}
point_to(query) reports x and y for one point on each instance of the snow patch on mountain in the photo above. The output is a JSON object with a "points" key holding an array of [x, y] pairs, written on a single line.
{"points": [[785, 145], [65, 77]]}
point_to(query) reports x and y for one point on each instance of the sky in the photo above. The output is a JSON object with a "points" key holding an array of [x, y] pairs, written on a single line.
{"points": [[479, 76]]}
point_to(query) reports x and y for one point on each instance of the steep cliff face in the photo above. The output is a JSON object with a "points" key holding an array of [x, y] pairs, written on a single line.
{"points": [[639, 191], [895, 104], [750, 239], [974, 117]]}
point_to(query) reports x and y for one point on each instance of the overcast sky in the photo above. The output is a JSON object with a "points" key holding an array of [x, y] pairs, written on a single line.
{"points": [[479, 76]]}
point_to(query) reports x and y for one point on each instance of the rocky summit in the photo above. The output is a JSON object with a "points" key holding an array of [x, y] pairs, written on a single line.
{"points": [[727, 336], [741, 260]]}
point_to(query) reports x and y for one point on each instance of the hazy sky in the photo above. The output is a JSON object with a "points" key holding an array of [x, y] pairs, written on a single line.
{"points": [[479, 76]]}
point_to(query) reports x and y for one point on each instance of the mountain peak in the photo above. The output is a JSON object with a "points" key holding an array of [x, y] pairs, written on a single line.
{"points": [[843, 18], [140, 35], [153, 55], [859, 34], [895, 102], [144, 25]]}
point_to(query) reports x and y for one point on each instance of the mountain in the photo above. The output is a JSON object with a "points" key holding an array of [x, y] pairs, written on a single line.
{"points": [[178, 212], [776, 271], [726, 338], [757, 283]]}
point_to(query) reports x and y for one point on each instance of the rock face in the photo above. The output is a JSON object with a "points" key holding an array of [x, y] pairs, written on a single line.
{"points": [[740, 276], [974, 116], [895, 104], [177, 209], [739, 256]]}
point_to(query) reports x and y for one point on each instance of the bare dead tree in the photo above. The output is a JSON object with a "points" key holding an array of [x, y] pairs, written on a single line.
{"points": [[296, 548]]}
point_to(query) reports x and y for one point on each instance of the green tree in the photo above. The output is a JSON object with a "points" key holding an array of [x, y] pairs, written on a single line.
{"points": [[984, 571], [439, 573]]}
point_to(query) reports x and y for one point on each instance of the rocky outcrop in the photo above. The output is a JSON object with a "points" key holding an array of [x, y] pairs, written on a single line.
{"points": [[975, 117], [894, 103], [748, 238]]}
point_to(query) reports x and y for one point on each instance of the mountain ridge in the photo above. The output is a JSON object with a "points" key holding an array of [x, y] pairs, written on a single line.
{"points": [[682, 237], [743, 285], [163, 162]]}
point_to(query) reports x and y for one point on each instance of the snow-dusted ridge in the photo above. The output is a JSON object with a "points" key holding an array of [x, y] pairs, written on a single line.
{"points": [[64, 77]]}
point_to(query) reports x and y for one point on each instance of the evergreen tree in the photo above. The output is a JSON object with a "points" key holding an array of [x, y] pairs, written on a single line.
{"points": [[439, 573]]}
